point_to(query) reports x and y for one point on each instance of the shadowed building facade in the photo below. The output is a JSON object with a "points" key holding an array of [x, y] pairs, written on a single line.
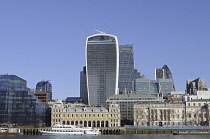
{"points": [[102, 67]]}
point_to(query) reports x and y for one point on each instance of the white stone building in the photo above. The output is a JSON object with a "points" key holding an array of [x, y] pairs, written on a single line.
{"points": [[191, 113]]}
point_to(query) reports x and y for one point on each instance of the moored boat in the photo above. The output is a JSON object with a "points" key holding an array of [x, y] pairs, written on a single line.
{"points": [[10, 131], [192, 133], [65, 130]]}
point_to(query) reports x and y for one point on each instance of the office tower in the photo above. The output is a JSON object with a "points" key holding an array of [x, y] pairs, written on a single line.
{"points": [[145, 86], [162, 85], [45, 86], [126, 68], [163, 73], [165, 80], [83, 86], [18, 106], [102, 63], [193, 85]]}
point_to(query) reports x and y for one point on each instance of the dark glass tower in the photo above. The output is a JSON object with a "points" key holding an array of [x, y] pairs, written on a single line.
{"points": [[45, 86], [102, 66], [17, 104], [83, 86], [126, 68]]}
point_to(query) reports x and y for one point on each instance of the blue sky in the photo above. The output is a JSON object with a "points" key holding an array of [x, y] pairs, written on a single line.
{"points": [[45, 39]]}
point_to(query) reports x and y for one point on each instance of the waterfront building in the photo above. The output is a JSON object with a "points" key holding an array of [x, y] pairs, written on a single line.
{"points": [[190, 113], [126, 68], [159, 114], [126, 103], [102, 67], [45, 86], [18, 106], [87, 116]]}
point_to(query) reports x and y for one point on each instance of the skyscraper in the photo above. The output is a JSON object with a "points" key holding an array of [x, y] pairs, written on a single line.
{"points": [[102, 66], [83, 86], [126, 68], [45, 86], [165, 80]]}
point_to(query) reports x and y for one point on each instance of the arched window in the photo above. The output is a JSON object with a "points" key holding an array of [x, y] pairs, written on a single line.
{"points": [[76, 122], [72, 122], [94, 123], [107, 124], [102, 123], [80, 122], [68, 123], [85, 123], [89, 123], [98, 123]]}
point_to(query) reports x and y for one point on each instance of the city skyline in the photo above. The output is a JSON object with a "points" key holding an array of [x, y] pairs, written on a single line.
{"points": [[41, 39]]}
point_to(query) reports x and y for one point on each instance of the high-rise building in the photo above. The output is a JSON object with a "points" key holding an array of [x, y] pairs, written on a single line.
{"points": [[126, 68], [45, 86], [18, 106], [83, 86], [165, 80], [102, 66], [163, 84]]}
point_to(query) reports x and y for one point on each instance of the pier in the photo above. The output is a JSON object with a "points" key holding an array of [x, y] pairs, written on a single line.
{"points": [[124, 130]]}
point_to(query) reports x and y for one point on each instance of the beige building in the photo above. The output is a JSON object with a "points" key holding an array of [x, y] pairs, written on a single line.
{"points": [[192, 113], [85, 115]]}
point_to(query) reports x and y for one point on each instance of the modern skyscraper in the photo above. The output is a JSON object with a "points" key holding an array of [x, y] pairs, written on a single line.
{"points": [[45, 86], [126, 68], [162, 84], [165, 80], [102, 66]]}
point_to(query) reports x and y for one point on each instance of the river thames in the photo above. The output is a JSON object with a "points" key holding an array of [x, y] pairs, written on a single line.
{"points": [[139, 136]]}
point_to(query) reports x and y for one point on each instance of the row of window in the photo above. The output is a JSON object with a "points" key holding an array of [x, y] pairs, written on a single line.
{"points": [[85, 115]]}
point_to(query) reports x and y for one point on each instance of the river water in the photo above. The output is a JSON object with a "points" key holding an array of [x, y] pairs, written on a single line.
{"points": [[139, 136]]}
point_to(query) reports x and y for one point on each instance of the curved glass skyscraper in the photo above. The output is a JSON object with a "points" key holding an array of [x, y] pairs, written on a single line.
{"points": [[102, 67]]}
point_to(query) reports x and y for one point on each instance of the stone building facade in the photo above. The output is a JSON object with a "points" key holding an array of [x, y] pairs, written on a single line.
{"points": [[192, 113], [126, 103], [85, 115]]}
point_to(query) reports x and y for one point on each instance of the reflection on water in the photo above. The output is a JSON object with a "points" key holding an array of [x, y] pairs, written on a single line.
{"points": [[140, 136]]}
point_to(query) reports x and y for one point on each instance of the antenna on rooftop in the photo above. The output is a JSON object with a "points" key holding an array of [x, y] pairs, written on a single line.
{"points": [[100, 31]]}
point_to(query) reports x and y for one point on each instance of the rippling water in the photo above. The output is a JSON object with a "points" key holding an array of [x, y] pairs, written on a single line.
{"points": [[140, 136]]}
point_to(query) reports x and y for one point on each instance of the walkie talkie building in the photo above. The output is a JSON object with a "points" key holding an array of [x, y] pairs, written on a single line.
{"points": [[102, 67]]}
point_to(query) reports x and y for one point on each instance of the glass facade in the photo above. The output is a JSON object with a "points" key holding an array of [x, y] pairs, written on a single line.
{"points": [[163, 84], [17, 105], [45, 86], [102, 62], [126, 68], [83, 86]]}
